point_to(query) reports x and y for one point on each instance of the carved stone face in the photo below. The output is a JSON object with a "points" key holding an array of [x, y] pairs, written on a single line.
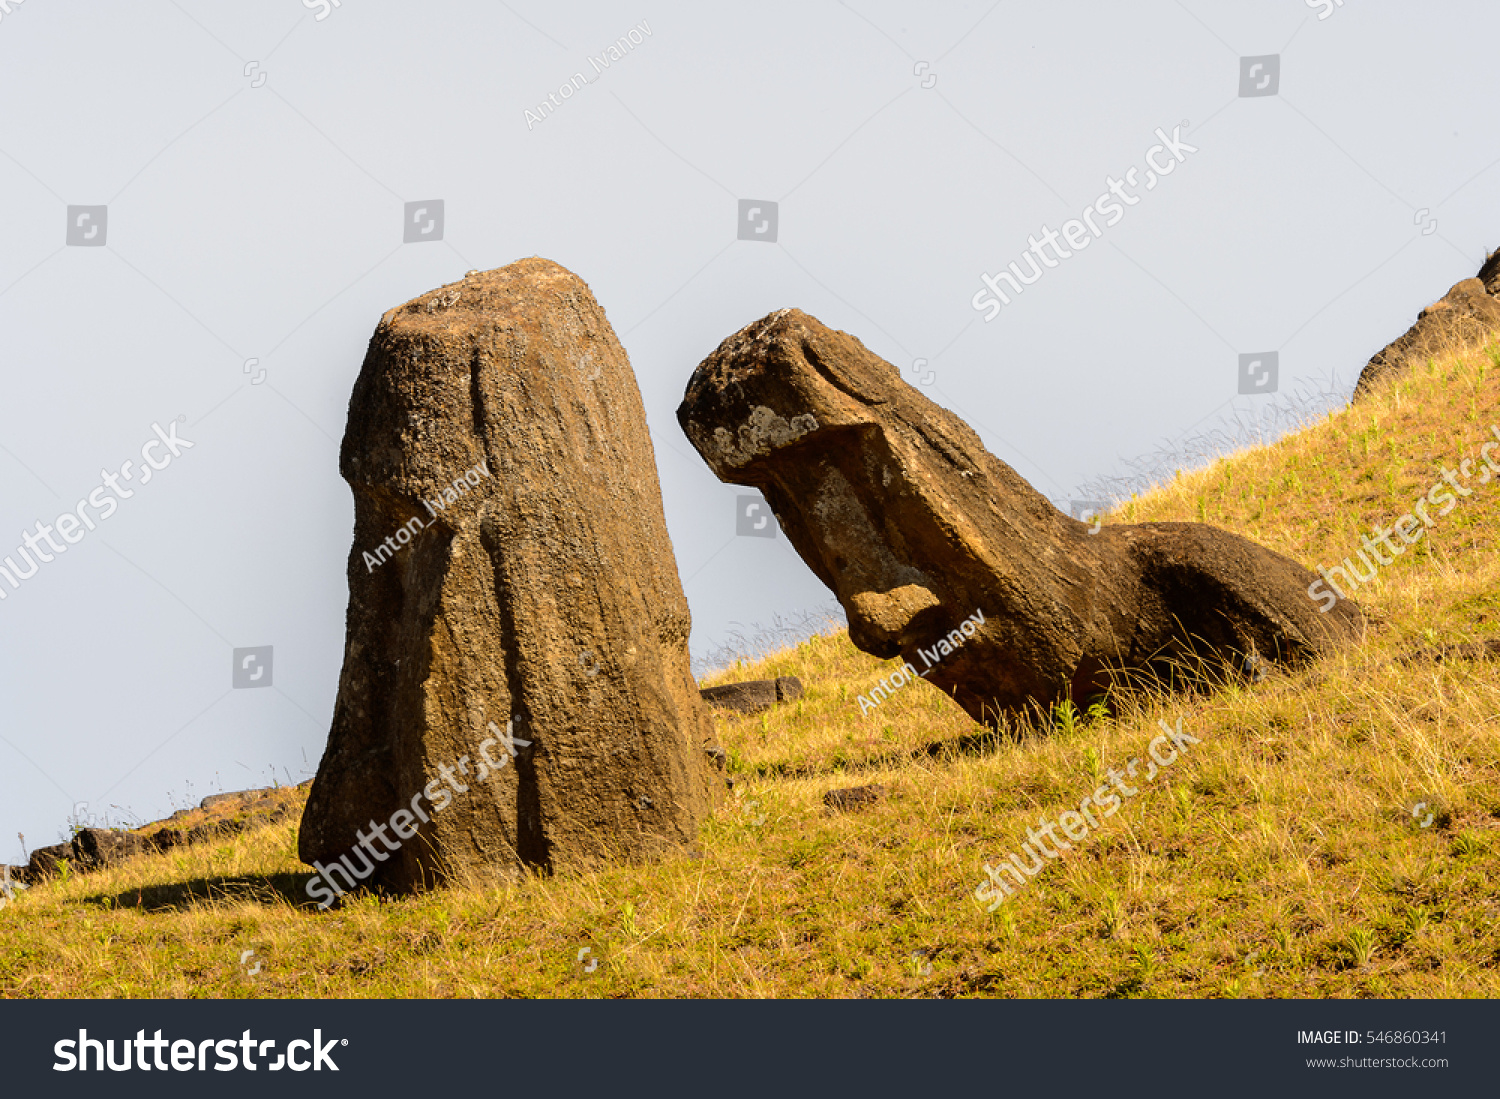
{"points": [[895, 504]]}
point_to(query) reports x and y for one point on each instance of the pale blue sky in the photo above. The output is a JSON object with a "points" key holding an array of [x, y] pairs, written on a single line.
{"points": [[256, 162]]}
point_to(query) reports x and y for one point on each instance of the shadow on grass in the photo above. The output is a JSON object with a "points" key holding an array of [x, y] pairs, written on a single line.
{"points": [[178, 896], [976, 743], [979, 742]]}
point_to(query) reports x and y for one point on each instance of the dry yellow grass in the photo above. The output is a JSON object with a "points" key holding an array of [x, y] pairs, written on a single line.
{"points": [[1278, 857]]}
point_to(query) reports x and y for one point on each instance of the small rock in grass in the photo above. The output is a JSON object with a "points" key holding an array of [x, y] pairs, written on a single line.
{"points": [[854, 797]]}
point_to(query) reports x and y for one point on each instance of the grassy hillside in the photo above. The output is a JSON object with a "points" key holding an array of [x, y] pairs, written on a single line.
{"points": [[1278, 856]]}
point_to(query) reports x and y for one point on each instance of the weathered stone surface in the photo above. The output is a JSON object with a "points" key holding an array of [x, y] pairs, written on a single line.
{"points": [[749, 697], [236, 798], [44, 861], [854, 797], [96, 848], [164, 839], [895, 504], [539, 586], [261, 813], [1469, 313], [753, 695]]}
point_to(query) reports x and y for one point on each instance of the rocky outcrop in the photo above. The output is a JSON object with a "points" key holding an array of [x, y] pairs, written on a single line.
{"points": [[1468, 314], [940, 553], [97, 848], [44, 862], [238, 799], [852, 798], [516, 689], [231, 818], [218, 816], [753, 695]]}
